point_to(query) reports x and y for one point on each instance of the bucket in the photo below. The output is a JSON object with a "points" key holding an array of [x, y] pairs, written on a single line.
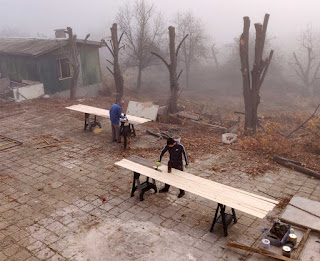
{"points": [[293, 238], [266, 243], [286, 251], [176, 139]]}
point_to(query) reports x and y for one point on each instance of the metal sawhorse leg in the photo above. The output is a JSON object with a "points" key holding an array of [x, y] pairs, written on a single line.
{"points": [[90, 124], [142, 187], [224, 218]]}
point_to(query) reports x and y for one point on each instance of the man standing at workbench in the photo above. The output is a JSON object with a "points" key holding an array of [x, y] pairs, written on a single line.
{"points": [[175, 160], [115, 116]]}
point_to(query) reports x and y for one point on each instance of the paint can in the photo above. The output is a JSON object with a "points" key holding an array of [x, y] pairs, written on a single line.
{"points": [[293, 238], [265, 244], [286, 251]]}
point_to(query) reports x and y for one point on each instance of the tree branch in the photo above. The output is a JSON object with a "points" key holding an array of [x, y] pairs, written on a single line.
{"points": [[299, 65], [184, 38], [109, 61], [266, 68], [110, 70], [105, 43], [303, 123], [162, 59], [315, 73], [120, 38], [179, 74]]}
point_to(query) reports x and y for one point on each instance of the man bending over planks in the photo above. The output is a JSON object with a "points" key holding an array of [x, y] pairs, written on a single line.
{"points": [[175, 160], [115, 115]]}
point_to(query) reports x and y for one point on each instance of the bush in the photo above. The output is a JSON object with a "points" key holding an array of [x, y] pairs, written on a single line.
{"points": [[270, 142]]}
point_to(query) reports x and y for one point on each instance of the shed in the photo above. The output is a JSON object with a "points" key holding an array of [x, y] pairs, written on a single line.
{"points": [[47, 61]]}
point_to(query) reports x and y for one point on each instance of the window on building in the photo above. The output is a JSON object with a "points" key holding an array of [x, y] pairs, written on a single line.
{"points": [[64, 69]]}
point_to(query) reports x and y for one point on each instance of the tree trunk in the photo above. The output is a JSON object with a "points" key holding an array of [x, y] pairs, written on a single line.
{"points": [[172, 67], [174, 85], [187, 76], [139, 82], [117, 74], [74, 85], [251, 90], [74, 63]]}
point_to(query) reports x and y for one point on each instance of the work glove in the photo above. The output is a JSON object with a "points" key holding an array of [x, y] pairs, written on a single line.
{"points": [[187, 166], [158, 164]]}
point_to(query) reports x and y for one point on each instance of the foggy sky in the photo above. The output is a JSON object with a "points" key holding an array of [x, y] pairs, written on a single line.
{"points": [[223, 18]]}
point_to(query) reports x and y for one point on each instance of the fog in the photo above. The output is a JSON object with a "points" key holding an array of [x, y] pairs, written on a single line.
{"points": [[223, 19], [223, 22]]}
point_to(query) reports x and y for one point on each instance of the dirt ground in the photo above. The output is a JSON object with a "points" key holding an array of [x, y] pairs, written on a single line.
{"points": [[51, 198]]}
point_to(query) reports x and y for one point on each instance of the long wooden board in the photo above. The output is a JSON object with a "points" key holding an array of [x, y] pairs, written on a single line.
{"points": [[223, 188], [104, 113], [305, 214], [260, 251], [250, 204], [215, 187]]}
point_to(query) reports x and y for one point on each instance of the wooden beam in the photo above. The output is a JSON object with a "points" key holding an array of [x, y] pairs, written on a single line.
{"points": [[297, 225], [298, 250], [261, 252], [291, 165]]}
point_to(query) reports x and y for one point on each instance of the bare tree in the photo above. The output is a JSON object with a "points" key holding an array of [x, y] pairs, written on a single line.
{"points": [[305, 65], [251, 89], [194, 48], [114, 49], [214, 52], [75, 52], [172, 67], [144, 27]]}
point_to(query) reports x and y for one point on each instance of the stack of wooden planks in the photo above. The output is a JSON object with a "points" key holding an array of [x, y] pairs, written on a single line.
{"points": [[104, 113], [249, 203]]}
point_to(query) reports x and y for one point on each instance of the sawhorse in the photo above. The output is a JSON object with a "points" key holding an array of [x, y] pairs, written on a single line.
{"points": [[90, 124], [224, 218], [142, 187], [132, 130]]}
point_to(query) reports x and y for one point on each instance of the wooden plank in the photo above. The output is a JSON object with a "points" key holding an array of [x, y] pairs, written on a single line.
{"points": [[224, 187], [214, 186], [300, 216], [104, 113], [298, 250], [261, 252], [284, 220], [179, 184], [214, 190], [191, 186], [311, 207]]}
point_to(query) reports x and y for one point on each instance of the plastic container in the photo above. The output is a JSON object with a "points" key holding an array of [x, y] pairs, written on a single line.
{"points": [[274, 241], [229, 138], [176, 139]]}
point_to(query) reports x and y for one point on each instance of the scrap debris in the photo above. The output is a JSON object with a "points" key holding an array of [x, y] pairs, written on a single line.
{"points": [[8, 143], [298, 166], [48, 140]]}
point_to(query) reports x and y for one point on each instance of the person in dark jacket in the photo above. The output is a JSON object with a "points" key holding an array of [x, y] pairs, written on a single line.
{"points": [[175, 160], [115, 116]]}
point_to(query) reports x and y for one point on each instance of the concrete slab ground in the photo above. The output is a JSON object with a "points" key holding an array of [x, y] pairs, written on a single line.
{"points": [[52, 209]]}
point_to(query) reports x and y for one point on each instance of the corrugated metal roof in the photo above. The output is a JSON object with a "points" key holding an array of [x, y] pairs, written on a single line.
{"points": [[34, 46]]}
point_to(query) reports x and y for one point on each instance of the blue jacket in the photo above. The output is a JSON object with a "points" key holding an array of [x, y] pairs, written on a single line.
{"points": [[115, 114]]}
